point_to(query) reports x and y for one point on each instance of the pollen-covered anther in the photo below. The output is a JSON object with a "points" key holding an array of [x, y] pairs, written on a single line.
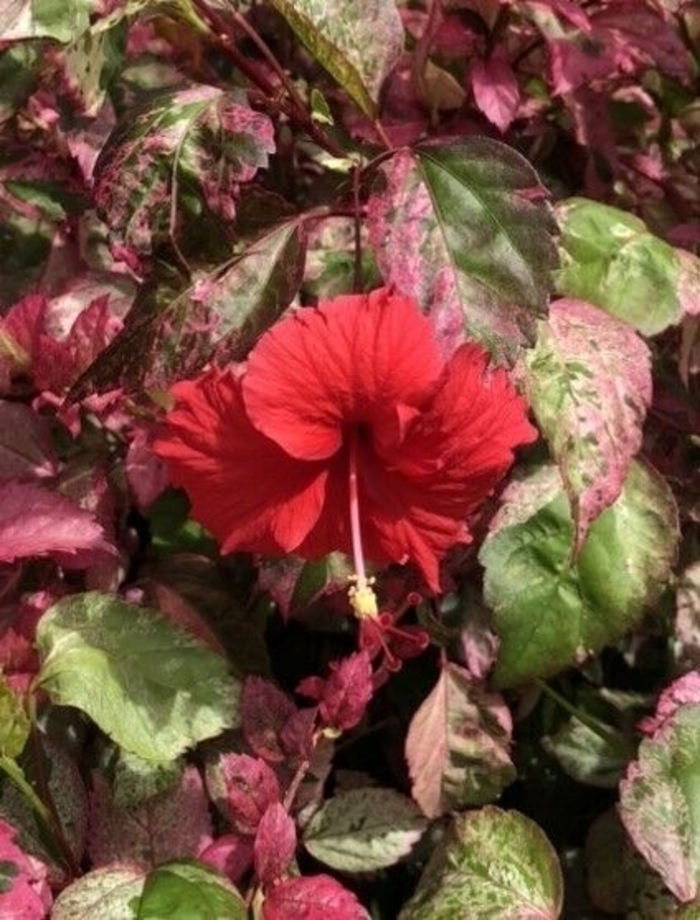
{"points": [[363, 599]]}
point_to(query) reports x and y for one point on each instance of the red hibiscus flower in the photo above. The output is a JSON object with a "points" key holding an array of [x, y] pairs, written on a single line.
{"points": [[346, 430]]}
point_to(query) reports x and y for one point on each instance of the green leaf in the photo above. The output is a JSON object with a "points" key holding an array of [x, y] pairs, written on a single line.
{"points": [[610, 259], [61, 20], [660, 802], [590, 757], [364, 829], [463, 229], [588, 381], [491, 865], [14, 721], [150, 686], [220, 317], [357, 41], [109, 893], [137, 780], [189, 890], [551, 612], [176, 156], [17, 77]]}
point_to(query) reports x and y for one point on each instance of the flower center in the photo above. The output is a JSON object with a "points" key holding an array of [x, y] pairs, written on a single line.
{"points": [[363, 600]]}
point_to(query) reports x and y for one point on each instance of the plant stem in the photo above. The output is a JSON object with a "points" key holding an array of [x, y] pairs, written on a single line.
{"points": [[295, 108], [592, 724]]}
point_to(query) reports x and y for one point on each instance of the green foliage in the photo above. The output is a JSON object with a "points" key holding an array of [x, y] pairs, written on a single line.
{"points": [[494, 862], [189, 891], [150, 686], [551, 609]]}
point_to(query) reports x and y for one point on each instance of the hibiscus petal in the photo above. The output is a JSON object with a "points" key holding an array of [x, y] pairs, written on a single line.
{"points": [[416, 495], [350, 360], [244, 489]]}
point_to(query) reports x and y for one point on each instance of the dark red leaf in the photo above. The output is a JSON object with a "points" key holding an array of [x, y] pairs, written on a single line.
{"points": [[315, 897], [26, 450], [264, 712], [36, 522], [344, 696], [170, 825], [495, 88], [232, 855], [275, 843], [252, 787]]}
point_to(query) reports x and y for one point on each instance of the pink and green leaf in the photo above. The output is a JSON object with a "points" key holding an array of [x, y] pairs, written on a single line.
{"points": [[463, 228], [364, 829], [588, 381], [499, 863], [357, 41], [457, 745], [175, 156]]}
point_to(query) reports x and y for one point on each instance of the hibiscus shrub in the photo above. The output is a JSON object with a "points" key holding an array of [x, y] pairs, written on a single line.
{"points": [[349, 359]]}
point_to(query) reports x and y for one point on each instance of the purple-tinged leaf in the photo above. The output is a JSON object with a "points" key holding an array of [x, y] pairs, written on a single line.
{"points": [[681, 692], [312, 897], [265, 710], [462, 228], [275, 844], [611, 260], [495, 88], [251, 788], [218, 318], [659, 801], [638, 34], [357, 41], [26, 448], [588, 381], [105, 893], [344, 696], [364, 829], [37, 522], [498, 861], [457, 745], [551, 612], [171, 825], [146, 473], [231, 855], [172, 156], [24, 890]]}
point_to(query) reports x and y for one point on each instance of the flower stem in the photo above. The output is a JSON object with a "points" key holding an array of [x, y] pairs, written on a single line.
{"points": [[357, 554], [362, 597]]}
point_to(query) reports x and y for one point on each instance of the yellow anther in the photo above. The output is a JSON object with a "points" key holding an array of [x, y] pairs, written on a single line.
{"points": [[363, 600]]}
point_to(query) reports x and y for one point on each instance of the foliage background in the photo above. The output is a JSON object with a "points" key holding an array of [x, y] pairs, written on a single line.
{"points": [[173, 175]]}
